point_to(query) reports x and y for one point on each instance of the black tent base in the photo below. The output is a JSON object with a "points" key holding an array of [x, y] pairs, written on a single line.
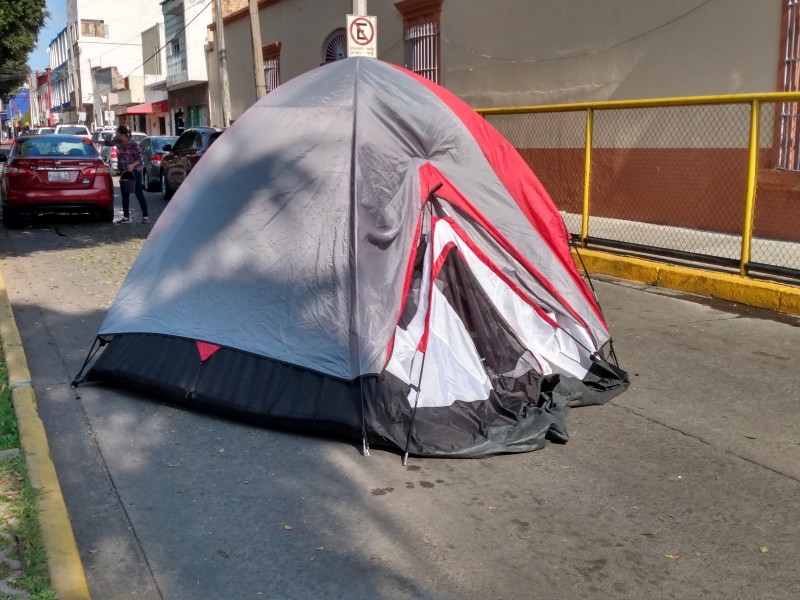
{"points": [[519, 416]]}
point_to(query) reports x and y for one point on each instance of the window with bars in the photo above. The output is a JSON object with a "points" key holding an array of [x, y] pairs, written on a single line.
{"points": [[422, 50], [421, 25], [789, 148], [271, 54]]}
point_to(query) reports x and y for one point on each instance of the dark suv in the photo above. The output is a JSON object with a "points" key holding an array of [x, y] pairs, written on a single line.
{"points": [[183, 156]]}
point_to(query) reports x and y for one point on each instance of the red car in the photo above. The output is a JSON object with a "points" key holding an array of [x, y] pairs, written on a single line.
{"points": [[54, 174]]}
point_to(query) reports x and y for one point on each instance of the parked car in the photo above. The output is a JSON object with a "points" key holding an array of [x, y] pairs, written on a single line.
{"points": [[152, 153], [54, 174], [109, 153], [43, 130], [102, 135], [183, 156], [72, 130]]}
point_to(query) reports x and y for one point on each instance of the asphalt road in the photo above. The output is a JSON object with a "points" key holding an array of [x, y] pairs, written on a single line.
{"points": [[671, 491]]}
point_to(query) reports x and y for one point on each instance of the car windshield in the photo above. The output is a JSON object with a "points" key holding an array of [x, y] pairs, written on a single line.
{"points": [[159, 143], [73, 131], [53, 146]]}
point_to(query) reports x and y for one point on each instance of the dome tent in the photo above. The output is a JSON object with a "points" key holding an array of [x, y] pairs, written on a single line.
{"points": [[363, 255]]}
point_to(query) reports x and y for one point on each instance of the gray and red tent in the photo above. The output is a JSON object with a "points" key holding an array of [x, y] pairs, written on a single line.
{"points": [[363, 255]]}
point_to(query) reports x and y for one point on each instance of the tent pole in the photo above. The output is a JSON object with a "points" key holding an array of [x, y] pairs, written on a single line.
{"points": [[416, 403], [92, 353]]}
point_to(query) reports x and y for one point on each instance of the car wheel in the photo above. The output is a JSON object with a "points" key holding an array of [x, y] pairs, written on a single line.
{"points": [[106, 215], [12, 218], [166, 192]]}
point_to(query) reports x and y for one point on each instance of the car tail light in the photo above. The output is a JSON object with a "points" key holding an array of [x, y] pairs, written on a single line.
{"points": [[157, 157], [9, 170], [100, 170], [113, 152]]}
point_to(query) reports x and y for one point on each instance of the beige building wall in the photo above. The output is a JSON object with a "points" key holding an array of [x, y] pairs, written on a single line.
{"points": [[301, 26], [555, 51], [522, 52]]}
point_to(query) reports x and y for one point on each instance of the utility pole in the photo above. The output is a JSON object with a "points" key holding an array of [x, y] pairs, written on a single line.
{"points": [[360, 7], [34, 97], [258, 59], [222, 61]]}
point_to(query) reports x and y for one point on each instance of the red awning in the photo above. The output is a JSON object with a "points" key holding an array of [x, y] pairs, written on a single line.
{"points": [[146, 109]]}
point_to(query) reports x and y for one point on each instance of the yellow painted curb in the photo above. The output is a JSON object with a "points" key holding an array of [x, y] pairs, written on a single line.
{"points": [[735, 288], [63, 560]]}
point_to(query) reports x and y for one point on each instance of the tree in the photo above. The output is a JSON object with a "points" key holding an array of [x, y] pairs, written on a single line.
{"points": [[20, 22]]}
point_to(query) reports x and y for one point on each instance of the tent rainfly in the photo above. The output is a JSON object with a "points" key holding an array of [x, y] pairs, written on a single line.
{"points": [[363, 255]]}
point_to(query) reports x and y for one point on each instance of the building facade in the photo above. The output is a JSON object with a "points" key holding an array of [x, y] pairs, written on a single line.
{"points": [[62, 99], [102, 34], [41, 99], [522, 52], [186, 32]]}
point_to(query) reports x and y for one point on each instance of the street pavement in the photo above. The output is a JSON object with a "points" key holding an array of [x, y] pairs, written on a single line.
{"points": [[687, 486]]}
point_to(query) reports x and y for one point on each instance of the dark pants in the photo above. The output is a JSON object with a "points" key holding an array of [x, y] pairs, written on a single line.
{"points": [[139, 196]]}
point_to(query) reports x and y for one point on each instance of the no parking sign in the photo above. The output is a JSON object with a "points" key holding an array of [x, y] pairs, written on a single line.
{"points": [[362, 36]]}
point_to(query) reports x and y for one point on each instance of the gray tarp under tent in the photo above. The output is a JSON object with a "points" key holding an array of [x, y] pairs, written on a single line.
{"points": [[362, 255]]}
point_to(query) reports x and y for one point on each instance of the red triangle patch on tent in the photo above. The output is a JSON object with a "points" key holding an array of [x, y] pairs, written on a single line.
{"points": [[206, 350]]}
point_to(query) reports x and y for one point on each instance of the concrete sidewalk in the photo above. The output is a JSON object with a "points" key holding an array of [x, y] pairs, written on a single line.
{"points": [[775, 253], [671, 491]]}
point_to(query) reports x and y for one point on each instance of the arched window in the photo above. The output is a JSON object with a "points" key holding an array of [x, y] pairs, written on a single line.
{"points": [[335, 46]]}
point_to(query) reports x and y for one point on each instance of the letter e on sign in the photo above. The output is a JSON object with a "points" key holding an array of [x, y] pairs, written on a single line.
{"points": [[362, 36]]}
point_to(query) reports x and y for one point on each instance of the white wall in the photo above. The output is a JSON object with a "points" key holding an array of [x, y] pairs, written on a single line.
{"points": [[196, 37], [122, 48]]}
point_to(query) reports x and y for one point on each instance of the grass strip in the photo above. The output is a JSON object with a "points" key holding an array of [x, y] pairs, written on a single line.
{"points": [[23, 562]]}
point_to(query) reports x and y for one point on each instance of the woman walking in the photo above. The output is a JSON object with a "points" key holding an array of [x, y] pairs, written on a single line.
{"points": [[129, 159]]}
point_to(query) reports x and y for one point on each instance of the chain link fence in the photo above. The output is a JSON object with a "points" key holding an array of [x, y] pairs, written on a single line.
{"points": [[669, 180]]}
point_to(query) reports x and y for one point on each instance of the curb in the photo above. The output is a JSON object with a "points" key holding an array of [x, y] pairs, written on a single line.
{"points": [[63, 560], [734, 288]]}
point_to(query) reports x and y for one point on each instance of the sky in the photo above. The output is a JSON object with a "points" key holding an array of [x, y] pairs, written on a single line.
{"points": [[52, 26]]}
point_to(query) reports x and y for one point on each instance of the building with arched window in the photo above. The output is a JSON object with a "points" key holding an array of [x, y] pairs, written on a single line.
{"points": [[521, 52]]}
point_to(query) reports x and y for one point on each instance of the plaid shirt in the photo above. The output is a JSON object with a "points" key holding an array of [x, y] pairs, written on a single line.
{"points": [[128, 154]]}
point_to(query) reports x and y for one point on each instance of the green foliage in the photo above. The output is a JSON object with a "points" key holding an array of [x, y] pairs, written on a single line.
{"points": [[20, 22]]}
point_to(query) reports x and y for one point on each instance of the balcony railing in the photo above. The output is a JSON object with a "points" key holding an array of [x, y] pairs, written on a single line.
{"points": [[177, 71]]}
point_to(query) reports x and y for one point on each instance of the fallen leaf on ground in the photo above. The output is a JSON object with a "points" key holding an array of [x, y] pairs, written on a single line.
{"points": [[223, 554], [764, 549], [93, 551], [173, 465], [672, 556], [288, 527]]}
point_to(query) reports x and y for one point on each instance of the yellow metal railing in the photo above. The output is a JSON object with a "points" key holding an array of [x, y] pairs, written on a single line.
{"points": [[657, 138]]}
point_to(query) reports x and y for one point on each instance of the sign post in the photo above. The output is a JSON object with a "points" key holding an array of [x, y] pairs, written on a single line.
{"points": [[362, 36]]}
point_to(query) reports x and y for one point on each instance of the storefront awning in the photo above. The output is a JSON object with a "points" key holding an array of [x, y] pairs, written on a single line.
{"points": [[146, 109]]}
